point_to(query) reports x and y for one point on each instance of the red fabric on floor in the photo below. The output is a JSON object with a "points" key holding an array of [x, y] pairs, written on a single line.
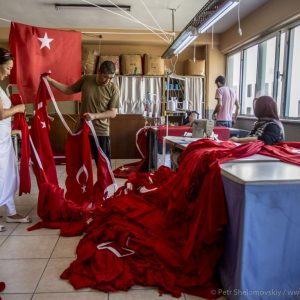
{"points": [[176, 229]]}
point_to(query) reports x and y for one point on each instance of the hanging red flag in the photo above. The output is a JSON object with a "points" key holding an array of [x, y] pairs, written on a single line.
{"points": [[40, 136], [21, 124], [79, 181], [39, 50]]}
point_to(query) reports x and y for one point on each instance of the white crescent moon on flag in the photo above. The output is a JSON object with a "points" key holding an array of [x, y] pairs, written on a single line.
{"points": [[84, 170]]}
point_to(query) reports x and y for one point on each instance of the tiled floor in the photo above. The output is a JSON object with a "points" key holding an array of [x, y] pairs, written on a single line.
{"points": [[32, 261]]}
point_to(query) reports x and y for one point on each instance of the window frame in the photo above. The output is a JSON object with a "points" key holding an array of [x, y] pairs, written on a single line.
{"points": [[287, 62]]}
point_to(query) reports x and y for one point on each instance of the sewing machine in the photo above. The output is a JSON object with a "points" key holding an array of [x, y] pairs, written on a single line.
{"points": [[203, 128]]}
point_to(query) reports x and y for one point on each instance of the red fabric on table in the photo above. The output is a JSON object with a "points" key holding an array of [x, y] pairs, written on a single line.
{"points": [[222, 132], [288, 152], [172, 131]]}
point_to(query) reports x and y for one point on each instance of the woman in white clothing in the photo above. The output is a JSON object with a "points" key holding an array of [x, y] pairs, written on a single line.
{"points": [[9, 176]]}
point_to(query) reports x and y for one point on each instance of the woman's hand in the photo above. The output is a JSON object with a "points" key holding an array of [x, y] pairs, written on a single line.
{"points": [[234, 139]]}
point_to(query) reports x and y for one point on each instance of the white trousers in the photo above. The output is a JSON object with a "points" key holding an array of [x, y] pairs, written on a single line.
{"points": [[9, 175]]}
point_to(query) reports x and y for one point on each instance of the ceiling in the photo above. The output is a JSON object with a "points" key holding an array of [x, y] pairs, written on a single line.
{"points": [[42, 13]]}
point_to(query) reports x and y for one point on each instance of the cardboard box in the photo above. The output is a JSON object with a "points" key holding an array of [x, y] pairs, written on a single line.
{"points": [[153, 65], [131, 64], [114, 58], [192, 68], [89, 61]]}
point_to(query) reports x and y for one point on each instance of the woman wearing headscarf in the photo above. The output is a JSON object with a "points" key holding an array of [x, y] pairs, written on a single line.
{"points": [[9, 177], [268, 127]]}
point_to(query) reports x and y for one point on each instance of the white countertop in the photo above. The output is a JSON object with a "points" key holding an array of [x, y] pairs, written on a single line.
{"points": [[261, 172]]}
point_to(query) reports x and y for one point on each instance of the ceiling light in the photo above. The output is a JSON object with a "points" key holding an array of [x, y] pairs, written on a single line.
{"points": [[189, 39], [59, 6], [209, 14], [217, 16]]}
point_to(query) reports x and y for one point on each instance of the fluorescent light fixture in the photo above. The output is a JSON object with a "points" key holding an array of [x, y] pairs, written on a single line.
{"points": [[59, 6], [188, 40], [217, 16], [208, 15]]}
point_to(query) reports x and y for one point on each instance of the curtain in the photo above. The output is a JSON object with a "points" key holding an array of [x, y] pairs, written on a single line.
{"points": [[142, 93], [137, 91], [194, 92]]}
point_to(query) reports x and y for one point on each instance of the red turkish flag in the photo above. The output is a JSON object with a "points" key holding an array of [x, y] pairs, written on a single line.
{"points": [[40, 136], [39, 50], [105, 179], [79, 181]]}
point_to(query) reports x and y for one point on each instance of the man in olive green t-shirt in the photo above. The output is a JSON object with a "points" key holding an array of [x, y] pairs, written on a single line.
{"points": [[99, 102]]}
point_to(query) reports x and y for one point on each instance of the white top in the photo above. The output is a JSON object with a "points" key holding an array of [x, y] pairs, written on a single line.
{"points": [[5, 125]]}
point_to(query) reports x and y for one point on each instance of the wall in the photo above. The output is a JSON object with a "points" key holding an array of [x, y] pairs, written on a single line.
{"points": [[215, 67], [268, 16]]}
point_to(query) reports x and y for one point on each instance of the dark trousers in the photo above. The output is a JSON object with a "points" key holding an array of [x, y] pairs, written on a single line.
{"points": [[104, 142], [224, 123]]}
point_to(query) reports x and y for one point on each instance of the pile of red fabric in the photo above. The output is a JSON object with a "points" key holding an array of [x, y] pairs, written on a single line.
{"points": [[164, 229]]}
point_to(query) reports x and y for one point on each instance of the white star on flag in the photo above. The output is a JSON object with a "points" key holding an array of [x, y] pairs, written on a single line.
{"points": [[45, 41], [83, 187], [43, 124]]}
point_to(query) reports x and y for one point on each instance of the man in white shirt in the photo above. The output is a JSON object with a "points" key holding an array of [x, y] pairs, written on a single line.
{"points": [[226, 98]]}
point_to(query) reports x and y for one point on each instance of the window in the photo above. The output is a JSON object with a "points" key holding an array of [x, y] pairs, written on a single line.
{"points": [[249, 82], [293, 86], [280, 73], [265, 76], [269, 67], [233, 71]]}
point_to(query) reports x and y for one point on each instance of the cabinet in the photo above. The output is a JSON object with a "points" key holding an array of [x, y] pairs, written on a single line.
{"points": [[123, 129]]}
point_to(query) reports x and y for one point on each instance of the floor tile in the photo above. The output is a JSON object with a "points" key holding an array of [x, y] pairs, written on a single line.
{"points": [[66, 247], [2, 239], [72, 296], [151, 294], [191, 297], [10, 227], [16, 296], [27, 247], [21, 229], [21, 275], [51, 282]]}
